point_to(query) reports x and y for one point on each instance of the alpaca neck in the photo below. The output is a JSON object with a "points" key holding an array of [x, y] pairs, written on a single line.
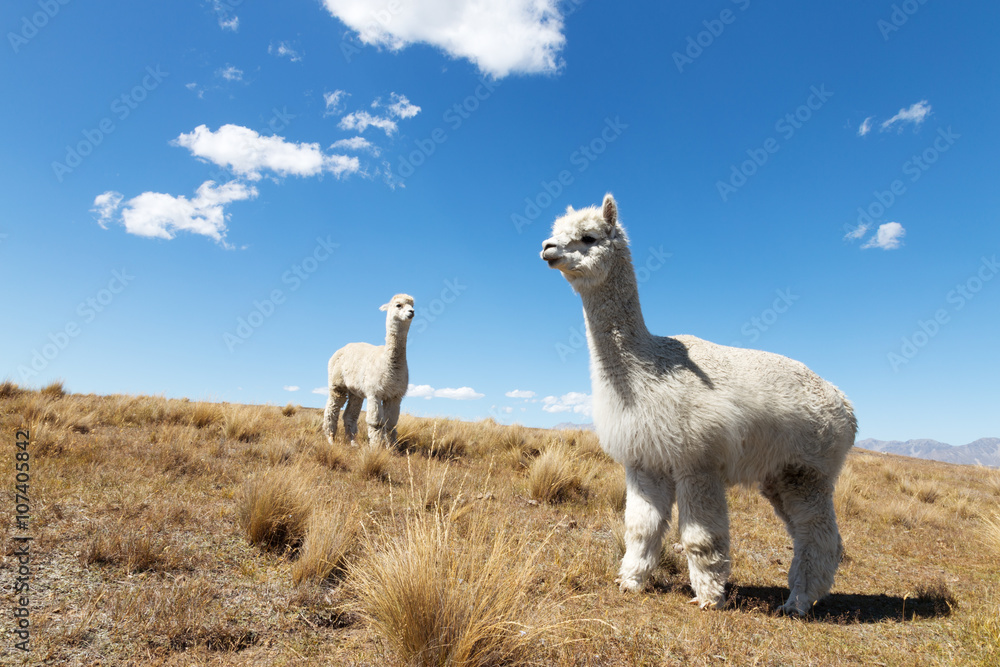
{"points": [[395, 346], [616, 330]]}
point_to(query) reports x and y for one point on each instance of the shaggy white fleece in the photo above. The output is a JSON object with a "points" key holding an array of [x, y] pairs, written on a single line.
{"points": [[687, 417], [377, 372]]}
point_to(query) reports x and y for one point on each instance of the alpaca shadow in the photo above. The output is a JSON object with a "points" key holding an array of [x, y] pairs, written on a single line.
{"points": [[847, 608]]}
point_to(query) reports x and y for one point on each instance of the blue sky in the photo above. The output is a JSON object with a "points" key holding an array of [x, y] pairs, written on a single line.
{"points": [[206, 199]]}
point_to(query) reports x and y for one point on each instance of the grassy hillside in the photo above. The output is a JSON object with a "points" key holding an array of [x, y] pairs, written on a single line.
{"points": [[171, 532]]}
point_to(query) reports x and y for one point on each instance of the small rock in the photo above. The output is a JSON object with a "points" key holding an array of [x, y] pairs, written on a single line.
{"points": [[532, 501]]}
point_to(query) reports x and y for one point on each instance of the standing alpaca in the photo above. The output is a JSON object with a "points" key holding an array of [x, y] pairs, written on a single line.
{"points": [[377, 372], [689, 417]]}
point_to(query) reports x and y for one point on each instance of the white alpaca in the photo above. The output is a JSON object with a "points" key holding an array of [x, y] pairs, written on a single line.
{"points": [[377, 372], [689, 417]]}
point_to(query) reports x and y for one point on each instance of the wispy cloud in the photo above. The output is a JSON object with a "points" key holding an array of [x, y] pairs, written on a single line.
{"points": [[857, 232], [359, 121], [915, 113], [283, 50], [232, 24], [160, 215], [574, 401], [334, 102], [519, 393], [290, 387], [321, 390], [249, 154], [866, 126], [230, 73], [355, 144], [400, 106], [888, 237], [428, 392], [500, 36]]}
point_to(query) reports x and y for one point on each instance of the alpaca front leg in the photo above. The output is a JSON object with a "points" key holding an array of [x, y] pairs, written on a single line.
{"points": [[376, 422], [391, 419], [649, 498], [351, 414], [704, 524], [334, 402]]}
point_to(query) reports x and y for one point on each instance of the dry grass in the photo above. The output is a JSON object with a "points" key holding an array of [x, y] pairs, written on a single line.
{"points": [[373, 462], [331, 536], [554, 476], [275, 507], [438, 599], [144, 508]]}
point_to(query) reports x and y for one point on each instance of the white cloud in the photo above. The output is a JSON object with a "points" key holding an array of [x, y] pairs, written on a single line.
{"points": [[355, 144], [915, 114], [359, 121], [857, 232], [866, 126], [574, 401], [232, 24], [519, 393], [291, 387], [222, 10], [334, 102], [248, 154], [888, 237], [159, 215], [499, 36], [401, 107], [321, 390], [105, 206], [282, 50], [428, 392], [230, 73]]}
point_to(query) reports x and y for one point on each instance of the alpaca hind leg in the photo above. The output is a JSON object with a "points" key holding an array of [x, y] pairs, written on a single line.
{"points": [[704, 524], [334, 402], [806, 496], [376, 422], [351, 414], [649, 498]]}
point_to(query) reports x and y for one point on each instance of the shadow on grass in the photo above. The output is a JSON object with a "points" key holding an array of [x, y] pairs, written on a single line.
{"points": [[848, 608]]}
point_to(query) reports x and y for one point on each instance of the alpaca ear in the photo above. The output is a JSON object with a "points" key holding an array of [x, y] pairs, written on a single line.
{"points": [[384, 306], [610, 212]]}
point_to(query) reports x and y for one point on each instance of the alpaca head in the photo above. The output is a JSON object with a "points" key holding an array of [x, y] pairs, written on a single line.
{"points": [[399, 312], [584, 244]]}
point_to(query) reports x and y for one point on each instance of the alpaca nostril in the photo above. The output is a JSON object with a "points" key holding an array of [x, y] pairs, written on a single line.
{"points": [[547, 245]]}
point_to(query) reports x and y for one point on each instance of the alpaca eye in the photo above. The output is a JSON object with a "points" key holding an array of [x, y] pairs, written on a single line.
{"points": [[589, 240]]}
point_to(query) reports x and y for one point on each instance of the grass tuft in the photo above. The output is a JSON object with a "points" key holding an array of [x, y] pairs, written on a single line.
{"points": [[438, 599], [274, 508], [373, 462], [331, 537], [53, 390], [553, 476]]}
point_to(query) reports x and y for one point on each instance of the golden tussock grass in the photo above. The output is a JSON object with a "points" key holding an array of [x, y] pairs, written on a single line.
{"points": [[440, 599], [331, 536], [182, 532], [275, 506]]}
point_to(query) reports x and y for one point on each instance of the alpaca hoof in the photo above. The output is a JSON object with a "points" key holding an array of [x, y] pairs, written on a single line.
{"points": [[628, 585], [707, 604], [791, 609]]}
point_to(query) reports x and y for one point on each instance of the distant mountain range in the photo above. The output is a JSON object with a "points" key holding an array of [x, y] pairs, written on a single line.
{"points": [[985, 451]]}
